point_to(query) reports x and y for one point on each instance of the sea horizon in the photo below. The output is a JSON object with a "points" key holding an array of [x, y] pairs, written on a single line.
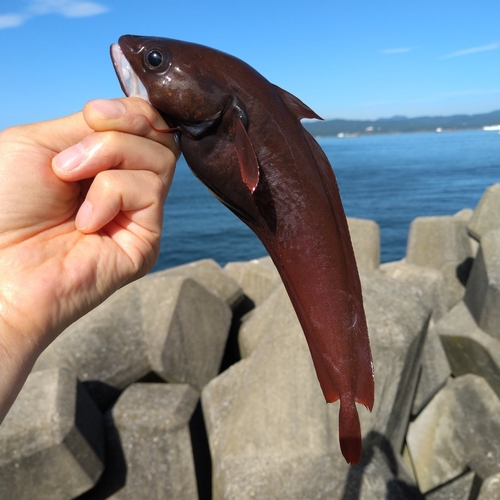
{"points": [[390, 179]]}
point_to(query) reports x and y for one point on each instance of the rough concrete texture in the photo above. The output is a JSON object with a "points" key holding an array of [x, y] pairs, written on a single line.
{"points": [[257, 277], [262, 321], [105, 348], [210, 275], [436, 241], [261, 433], [459, 429], [185, 329], [455, 277], [468, 356], [397, 324], [52, 440], [468, 348], [429, 283], [490, 489], [380, 475], [149, 454], [266, 416], [466, 215], [270, 432], [465, 487], [482, 295], [365, 237], [435, 371], [486, 213], [171, 325]]}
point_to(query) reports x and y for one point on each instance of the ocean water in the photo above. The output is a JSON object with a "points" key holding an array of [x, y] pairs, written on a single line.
{"points": [[387, 178]]}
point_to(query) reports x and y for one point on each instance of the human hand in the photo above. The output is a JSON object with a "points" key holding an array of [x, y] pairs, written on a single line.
{"points": [[81, 210]]}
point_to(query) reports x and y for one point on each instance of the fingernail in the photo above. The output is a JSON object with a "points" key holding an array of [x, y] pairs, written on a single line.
{"points": [[107, 108], [70, 158], [83, 216]]}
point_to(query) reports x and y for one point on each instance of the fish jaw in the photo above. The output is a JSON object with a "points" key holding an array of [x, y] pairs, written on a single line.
{"points": [[131, 84]]}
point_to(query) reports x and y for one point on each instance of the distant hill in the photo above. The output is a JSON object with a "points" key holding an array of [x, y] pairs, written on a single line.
{"points": [[401, 124]]}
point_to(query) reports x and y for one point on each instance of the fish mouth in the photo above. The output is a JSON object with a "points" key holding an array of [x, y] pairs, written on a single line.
{"points": [[129, 81]]}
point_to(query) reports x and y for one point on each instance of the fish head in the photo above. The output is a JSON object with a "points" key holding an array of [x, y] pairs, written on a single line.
{"points": [[173, 76]]}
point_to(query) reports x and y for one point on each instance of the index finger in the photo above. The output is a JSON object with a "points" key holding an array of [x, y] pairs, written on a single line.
{"points": [[131, 115]]}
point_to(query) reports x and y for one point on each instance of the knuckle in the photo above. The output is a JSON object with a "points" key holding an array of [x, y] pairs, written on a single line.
{"points": [[155, 185], [106, 182], [111, 137], [12, 133], [139, 103]]}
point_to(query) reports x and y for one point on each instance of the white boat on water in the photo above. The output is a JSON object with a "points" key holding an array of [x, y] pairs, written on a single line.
{"points": [[492, 127], [345, 135]]}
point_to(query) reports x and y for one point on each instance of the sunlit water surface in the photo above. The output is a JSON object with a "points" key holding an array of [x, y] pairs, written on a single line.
{"points": [[387, 178]]}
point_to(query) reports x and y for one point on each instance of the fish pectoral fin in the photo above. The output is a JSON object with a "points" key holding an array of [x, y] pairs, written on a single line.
{"points": [[249, 165], [298, 108]]}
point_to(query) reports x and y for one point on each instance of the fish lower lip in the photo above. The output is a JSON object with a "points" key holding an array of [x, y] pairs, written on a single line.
{"points": [[130, 82]]}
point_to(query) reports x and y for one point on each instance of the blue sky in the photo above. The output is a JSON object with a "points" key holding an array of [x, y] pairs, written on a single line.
{"points": [[358, 60]]}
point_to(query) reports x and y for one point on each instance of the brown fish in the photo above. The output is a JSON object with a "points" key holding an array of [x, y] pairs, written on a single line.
{"points": [[242, 137]]}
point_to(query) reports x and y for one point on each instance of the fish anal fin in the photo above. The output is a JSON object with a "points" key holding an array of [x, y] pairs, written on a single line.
{"points": [[330, 391], [349, 432], [249, 165], [364, 386], [299, 109], [365, 390]]}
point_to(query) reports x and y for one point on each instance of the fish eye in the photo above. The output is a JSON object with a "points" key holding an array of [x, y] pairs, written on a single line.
{"points": [[154, 59]]}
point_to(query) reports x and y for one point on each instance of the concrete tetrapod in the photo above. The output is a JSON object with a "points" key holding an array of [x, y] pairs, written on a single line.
{"points": [[52, 440]]}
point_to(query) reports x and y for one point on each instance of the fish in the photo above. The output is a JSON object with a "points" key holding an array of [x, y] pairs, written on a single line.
{"points": [[242, 137]]}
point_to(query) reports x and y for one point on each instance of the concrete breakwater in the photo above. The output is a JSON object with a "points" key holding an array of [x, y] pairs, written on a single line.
{"points": [[196, 382]]}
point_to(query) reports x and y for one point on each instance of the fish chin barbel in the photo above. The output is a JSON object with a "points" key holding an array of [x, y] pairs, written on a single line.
{"points": [[242, 137]]}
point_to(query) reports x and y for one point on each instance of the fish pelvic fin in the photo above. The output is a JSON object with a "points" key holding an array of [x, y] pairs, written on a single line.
{"points": [[349, 431], [249, 165]]}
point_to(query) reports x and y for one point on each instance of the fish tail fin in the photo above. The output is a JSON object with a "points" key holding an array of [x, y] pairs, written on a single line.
{"points": [[349, 431]]}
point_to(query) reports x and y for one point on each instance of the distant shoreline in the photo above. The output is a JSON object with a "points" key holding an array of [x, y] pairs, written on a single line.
{"points": [[402, 125]]}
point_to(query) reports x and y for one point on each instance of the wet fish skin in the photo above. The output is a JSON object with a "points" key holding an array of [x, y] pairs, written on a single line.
{"points": [[242, 137]]}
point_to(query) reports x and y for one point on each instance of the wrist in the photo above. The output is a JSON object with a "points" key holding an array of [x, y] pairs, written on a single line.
{"points": [[18, 354]]}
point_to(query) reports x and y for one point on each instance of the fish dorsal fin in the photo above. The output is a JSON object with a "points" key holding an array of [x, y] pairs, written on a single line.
{"points": [[298, 108], [249, 165]]}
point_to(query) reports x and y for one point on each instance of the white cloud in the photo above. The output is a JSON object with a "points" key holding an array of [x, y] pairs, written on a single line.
{"points": [[396, 51], [473, 50], [11, 20], [84, 9], [66, 8]]}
